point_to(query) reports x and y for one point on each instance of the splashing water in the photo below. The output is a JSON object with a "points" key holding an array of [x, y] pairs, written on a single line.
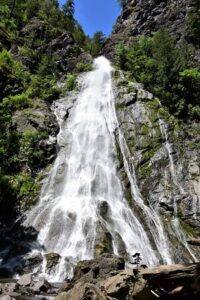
{"points": [[84, 177]]}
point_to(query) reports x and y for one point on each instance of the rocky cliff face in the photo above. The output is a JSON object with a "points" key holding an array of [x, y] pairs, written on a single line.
{"points": [[163, 154], [141, 17], [163, 151]]}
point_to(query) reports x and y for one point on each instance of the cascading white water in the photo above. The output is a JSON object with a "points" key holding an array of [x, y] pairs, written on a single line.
{"points": [[83, 177], [152, 218], [175, 220]]}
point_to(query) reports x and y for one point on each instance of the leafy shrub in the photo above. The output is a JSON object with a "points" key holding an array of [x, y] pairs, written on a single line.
{"points": [[17, 101], [30, 152], [43, 87], [6, 22], [84, 67], [194, 112], [27, 189], [193, 23], [12, 74], [71, 83], [120, 56]]}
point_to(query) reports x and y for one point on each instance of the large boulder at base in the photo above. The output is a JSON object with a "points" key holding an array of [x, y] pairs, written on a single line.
{"points": [[82, 292], [6, 297], [25, 280], [118, 286], [41, 286], [180, 282], [99, 268], [8, 287]]}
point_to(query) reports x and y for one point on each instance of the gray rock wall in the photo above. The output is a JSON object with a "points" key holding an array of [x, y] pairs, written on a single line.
{"points": [[164, 154], [143, 17]]}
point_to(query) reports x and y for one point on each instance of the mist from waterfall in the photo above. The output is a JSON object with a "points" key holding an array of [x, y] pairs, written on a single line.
{"points": [[84, 177]]}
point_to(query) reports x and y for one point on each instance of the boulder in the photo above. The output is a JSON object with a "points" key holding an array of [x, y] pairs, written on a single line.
{"points": [[41, 286], [62, 296], [25, 280], [82, 292], [6, 297], [66, 286], [36, 118], [31, 261], [181, 282], [103, 241], [52, 260], [118, 286], [99, 268], [8, 287]]}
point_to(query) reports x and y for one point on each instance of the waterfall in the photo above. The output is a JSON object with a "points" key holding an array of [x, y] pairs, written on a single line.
{"points": [[175, 220], [84, 177]]}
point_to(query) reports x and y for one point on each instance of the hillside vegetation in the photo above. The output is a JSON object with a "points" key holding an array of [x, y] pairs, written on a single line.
{"points": [[40, 43]]}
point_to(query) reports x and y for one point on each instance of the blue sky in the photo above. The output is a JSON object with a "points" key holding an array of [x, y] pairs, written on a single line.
{"points": [[95, 15]]}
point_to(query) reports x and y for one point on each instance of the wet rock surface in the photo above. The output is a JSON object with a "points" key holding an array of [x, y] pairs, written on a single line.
{"points": [[159, 152]]}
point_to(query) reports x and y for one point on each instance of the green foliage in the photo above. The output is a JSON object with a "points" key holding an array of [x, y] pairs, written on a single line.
{"points": [[120, 56], [193, 23], [33, 8], [80, 38], [27, 188], [84, 67], [12, 74], [97, 43], [68, 11], [30, 152], [194, 111], [192, 74], [6, 23], [43, 87], [28, 75], [15, 102], [71, 83], [165, 69]]}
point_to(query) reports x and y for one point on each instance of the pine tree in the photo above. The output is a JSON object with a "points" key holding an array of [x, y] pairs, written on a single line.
{"points": [[97, 43], [68, 9]]}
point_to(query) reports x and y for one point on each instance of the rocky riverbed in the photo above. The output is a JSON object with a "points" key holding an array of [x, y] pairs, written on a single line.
{"points": [[107, 278]]}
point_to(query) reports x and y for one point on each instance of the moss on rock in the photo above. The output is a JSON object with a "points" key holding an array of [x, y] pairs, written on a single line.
{"points": [[52, 260]]}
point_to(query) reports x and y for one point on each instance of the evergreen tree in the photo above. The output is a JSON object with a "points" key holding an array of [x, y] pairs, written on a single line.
{"points": [[97, 43], [79, 36], [68, 9]]}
